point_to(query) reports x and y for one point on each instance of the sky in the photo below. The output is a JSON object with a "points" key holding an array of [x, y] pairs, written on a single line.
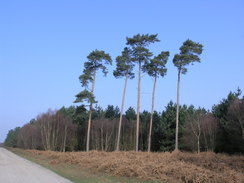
{"points": [[44, 44]]}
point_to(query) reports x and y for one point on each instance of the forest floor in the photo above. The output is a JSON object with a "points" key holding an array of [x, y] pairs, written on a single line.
{"points": [[141, 167]]}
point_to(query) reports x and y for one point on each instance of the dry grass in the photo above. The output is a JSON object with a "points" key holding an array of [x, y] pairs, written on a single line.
{"points": [[171, 167]]}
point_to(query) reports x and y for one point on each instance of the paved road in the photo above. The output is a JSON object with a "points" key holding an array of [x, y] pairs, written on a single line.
{"points": [[14, 169]]}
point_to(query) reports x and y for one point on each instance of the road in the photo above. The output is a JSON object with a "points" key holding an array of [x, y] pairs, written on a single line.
{"points": [[14, 169]]}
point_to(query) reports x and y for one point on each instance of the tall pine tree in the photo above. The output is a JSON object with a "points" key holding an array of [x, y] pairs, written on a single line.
{"points": [[189, 53], [124, 67], [96, 60], [140, 54], [155, 68]]}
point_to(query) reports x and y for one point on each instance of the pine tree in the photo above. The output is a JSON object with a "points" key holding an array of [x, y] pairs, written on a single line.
{"points": [[155, 68], [140, 54], [124, 67], [189, 53], [96, 60]]}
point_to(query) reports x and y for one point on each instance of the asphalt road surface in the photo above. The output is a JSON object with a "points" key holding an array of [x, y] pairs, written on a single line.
{"points": [[14, 169]]}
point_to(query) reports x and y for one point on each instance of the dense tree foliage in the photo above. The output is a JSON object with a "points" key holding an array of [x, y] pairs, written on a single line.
{"points": [[230, 115], [11, 139], [53, 130], [199, 130]]}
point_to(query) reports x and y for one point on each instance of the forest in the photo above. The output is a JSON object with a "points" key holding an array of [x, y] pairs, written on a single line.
{"points": [[87, 126]]}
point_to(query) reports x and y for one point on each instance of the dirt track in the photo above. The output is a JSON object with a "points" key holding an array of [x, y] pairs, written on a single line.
{"points": [[14, 169]]}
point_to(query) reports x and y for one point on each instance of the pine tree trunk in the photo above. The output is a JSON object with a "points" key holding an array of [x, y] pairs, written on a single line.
{"points": [[56, 136], [198, 137], [198, 144], [138, 107], [205, 140], [151, 119], [177, 112], [121, 113], [90, 114], [102, 137], [65, 136]]}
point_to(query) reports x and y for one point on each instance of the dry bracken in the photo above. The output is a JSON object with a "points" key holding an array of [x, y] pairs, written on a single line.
{"points": [[169, 167]]}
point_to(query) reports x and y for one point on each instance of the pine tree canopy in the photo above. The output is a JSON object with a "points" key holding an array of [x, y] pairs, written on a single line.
{"points": [[85, 78], [156, 66], [138, 45], [189, 53], [142, 40], [85, 96], [95, 61], [124, 64]]}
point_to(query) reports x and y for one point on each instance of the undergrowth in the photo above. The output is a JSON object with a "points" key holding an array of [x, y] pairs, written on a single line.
{"points": [[173, 167]]}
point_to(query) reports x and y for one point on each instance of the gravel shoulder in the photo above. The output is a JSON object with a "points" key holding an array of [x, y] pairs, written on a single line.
{"points": [[14, 169]]}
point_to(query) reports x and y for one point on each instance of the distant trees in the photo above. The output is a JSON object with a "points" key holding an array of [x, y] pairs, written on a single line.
{"points": [[229, 114], [140, 54], [236, 115], [49, 130], [12, 137], [199, 130], [209, 132], [194, 125], [167, 126], [96, 60], [69, 134], [29, 136], [58, 132], [189, 53], [219, 130], [53, 130], [104, 134]]}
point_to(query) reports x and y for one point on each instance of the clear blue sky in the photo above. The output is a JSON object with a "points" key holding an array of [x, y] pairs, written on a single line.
{"points": [[43, 45]]}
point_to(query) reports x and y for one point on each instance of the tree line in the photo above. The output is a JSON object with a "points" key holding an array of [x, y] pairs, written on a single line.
{"points": [[218, 130], [109, 133]]}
